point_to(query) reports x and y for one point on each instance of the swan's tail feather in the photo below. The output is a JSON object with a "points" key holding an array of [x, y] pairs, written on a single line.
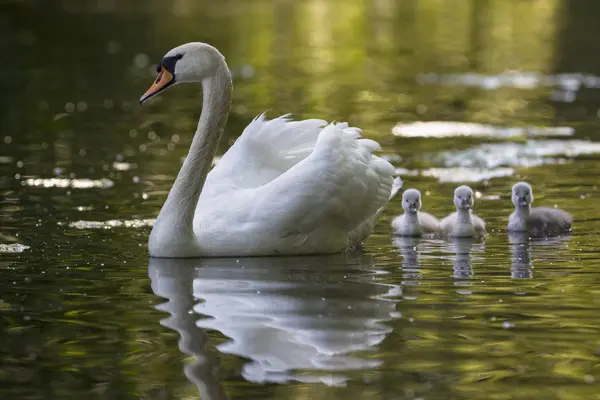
{"points": [[281, 142], [396, 186], [362, 231]]}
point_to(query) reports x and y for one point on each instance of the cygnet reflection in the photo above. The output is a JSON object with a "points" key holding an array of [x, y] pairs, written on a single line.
{"points": [[521, 266], [413, 250], [524, 250], [462, 264], [284, 314]]}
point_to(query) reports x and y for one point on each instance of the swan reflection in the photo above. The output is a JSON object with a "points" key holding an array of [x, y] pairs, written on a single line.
{"points": [[286, 315]]}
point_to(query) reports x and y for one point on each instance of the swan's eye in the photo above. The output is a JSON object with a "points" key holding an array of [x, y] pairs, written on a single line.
{"points": [[169, 62]]}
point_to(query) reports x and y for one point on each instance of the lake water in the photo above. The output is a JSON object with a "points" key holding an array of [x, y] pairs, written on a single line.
{"points": [[478, 92]]}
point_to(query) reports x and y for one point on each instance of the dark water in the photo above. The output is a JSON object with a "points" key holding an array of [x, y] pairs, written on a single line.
{"points": [[86, 315]]}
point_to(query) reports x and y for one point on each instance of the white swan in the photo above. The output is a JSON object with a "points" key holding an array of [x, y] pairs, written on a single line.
{"points": [[414, 222], [537, 221], [463, 223], [283, 187]]}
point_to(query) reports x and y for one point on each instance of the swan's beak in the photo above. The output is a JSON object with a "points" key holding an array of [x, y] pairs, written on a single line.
{"points": [[466, 205], [163, 81], [522, 201]]}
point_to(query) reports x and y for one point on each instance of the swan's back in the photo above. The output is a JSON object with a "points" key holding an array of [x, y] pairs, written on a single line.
{"points": [[451, 225], [429, 223], [549, 221], [264, 151], [290, 187]]}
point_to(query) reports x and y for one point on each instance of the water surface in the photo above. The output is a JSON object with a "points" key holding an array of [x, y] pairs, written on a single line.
{"points": [[508, 90]]}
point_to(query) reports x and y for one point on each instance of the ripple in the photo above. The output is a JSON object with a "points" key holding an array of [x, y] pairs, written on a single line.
{"points": [[514, 79], [83, 183], [123, 166], [459, 174], [529, 154], [113, 223], [13, 248], [442, 129]]}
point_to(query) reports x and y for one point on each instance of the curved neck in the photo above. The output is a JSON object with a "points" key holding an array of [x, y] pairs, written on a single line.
{"points": [[523, 211], [177, 214], [411, 217], [463, 215]]}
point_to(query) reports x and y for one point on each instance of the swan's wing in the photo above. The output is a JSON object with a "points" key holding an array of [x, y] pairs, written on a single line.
{"points": [[339, 185], [549, 221], [265, 150], [447, 224], [429, 223], [398, 222], [478, 224], [364, 229]]}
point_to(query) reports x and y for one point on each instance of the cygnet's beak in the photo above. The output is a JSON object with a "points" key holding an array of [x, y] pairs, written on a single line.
{"points": [[412, 207], [465, 204], [163, 81], [522, 202]]}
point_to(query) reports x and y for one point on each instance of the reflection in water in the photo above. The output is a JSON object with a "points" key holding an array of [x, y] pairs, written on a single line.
{"points": [[529, 154], [522, 247], [283, 314], [172, 279], [444, 129], [409, 246], [463, 260], [521, 266]]}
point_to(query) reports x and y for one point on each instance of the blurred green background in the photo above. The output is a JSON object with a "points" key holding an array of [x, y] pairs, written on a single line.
{"points": [[77, 308]]}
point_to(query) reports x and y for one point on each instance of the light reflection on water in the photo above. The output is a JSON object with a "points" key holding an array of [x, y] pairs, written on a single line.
{"points": [[84, 171]]}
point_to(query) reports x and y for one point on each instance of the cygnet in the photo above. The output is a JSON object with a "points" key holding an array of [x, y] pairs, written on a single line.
{"points": [[463, 223], [414, 222], [537, 221]]}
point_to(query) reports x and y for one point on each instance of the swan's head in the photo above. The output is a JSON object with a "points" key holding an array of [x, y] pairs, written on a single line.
{"points": [[190, 62], [411, 201], [463, 198], [522, 194]]}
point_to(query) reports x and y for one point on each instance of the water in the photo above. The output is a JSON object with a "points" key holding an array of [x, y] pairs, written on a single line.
{"points": [[509, 90]]}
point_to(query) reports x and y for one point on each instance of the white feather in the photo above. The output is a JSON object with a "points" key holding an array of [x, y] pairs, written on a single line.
{"points": [[284, 187], [293, 187]]}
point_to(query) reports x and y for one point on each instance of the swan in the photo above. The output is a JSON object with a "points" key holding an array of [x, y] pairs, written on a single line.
{"points": [[284, 187], [414, 222], [537, 221], [463, 223]]}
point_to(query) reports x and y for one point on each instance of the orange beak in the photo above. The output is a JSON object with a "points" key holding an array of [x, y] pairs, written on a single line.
{"points": [[163, 81]]}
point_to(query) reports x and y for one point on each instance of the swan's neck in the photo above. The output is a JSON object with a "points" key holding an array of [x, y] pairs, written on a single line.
{"points": [[523, 212], [173, 230], [519, 221], [411, 218], [463, 216]]}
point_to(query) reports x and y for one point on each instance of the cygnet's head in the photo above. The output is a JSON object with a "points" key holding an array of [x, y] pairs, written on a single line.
{"points": [[463, 198], [190, 62], [411, 201], [522, 194]]}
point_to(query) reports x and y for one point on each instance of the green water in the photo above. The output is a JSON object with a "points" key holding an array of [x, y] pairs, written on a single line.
{"points": [[85, 314]]}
